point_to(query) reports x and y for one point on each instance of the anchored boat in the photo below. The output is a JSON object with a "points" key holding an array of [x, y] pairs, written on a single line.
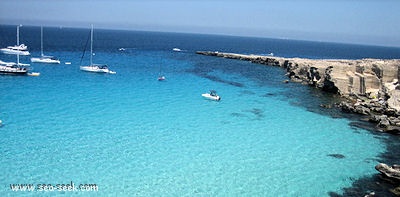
{"points": [[212, 95], [97, 68], [44, 58]]}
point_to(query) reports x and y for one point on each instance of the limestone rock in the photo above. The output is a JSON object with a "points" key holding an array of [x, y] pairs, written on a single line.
{"points": [[392, 172]]}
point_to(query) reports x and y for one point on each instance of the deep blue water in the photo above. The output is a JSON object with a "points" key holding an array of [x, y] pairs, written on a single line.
{"points": [[69, 39], [135, 136]]}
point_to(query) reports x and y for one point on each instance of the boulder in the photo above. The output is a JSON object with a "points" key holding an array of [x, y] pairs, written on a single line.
{"points": [[384, 123], [346, 107]]}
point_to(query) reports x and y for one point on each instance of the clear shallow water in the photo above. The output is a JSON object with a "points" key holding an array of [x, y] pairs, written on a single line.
{"points": [[132, 135]]}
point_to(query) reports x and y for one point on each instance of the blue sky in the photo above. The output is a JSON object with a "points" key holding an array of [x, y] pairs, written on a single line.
{"points": [[372, 22]]}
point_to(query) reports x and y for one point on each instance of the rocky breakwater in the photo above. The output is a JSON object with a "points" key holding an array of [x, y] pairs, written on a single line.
{"points": [[370, 86]]}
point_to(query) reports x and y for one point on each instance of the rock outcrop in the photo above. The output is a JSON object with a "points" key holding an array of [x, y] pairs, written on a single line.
{"points": [[391, 174], [371, 85]]}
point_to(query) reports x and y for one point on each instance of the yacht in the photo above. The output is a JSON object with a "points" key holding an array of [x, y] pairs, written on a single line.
{"points": [[16, 50], [97, 68], [19, 49], [13, 68], [43, 58]]}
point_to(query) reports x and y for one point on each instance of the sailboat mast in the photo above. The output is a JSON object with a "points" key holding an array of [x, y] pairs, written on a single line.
{"points": [[91, 46], [41, 40], [18, 35], [18, 44]]}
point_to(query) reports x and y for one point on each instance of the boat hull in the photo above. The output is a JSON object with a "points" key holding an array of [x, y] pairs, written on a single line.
{"points": [[12, 71], [96, 69], [14, 52], [44, 60]]}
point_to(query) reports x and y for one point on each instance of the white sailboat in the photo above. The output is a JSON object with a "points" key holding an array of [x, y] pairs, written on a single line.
{"points": [[43, 58], [97, 68], [19, 49], [161, 77], [14, 68]]}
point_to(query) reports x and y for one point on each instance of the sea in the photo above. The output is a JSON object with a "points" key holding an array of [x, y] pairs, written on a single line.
{"points": [[74, 133]]}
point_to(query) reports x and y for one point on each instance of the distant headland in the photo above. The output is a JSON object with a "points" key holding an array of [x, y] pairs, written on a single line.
{"points": [[370, 86]]}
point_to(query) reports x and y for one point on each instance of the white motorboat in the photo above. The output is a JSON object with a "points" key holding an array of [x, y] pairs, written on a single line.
{"points": [[177, 49], [212, 95], [19, 49], [14, 50], [96, 68], [13, 68], [43, 58]]}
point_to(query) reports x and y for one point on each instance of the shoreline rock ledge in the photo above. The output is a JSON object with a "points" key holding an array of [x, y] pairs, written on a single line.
{"points": [[390, 174], [371, 86]]}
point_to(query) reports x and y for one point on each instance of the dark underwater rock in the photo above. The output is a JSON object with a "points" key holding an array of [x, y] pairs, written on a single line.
{"points": [[337, 156]]}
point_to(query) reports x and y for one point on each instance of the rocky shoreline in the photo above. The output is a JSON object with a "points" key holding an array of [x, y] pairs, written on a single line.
{"points": [[370, 87]]}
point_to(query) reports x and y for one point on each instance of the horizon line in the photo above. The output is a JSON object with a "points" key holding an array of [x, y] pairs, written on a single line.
{"points": [[199, 33]]}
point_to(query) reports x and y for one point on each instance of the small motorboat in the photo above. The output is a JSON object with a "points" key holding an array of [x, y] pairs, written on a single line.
{"points": [[212, 95], [177, 49]]}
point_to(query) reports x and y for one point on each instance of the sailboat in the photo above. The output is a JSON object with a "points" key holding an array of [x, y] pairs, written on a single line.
{"points": [[19, 49], [14, 68], [43, 58], [161, 77], [97, 68]]}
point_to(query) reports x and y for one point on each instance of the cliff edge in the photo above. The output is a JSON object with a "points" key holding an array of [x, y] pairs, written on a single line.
{"points": [[371, 86]]}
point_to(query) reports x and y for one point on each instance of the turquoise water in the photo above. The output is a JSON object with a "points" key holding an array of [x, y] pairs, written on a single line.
{"points": [[135, 136]]}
